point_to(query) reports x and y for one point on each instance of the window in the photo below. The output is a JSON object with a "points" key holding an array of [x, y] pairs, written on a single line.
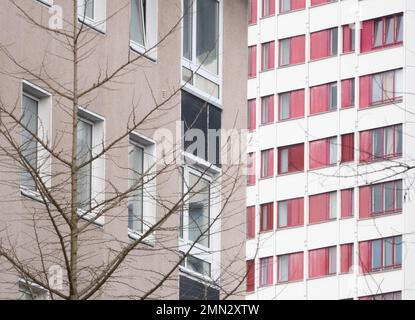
{"points": [[291, 213], [268, 56], [267, 110], [382, 32], [90, 187], [267, 163], [253, 11], [268, 8], [317, 2], [266, 271], [323, 98], [291, 105], [250, 222], [291, 5], [347, 148], [324, 44], [201, 45], [202, 122], [384, 296], [141, 204], [348, 93], [36, 107], [93, 13], [347, 203], [197, 265], [250, 275], [346, 258], [349, 37], [31, 292], [323, 207], [251, 179], [291, 159], [252, 115], [323, 153], [143, 28], [322, 262], [380, 254], [381, 144], [380, 199], [381, 88], [290, 267], [267, 217], [292, 51], [252, 51]]}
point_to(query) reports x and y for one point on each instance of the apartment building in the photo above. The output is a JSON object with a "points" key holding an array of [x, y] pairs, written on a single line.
{"points": [[330, 197], [186, 60]]}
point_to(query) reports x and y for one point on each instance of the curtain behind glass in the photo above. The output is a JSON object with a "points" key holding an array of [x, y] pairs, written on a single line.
{"points": [[138, 21], [135, 199], [28, 142], [84, 154]]}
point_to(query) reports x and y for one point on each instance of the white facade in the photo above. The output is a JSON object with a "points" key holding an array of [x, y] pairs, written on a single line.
{"points": [[339, 231]]}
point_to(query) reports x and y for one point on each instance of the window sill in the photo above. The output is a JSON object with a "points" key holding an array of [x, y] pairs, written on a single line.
{"points": [[346, 218], [193, 160], [290, 11], [45, 3], [382, 215], [100, 222], [266, 71], [322, 4], [322, 112], [291, 65], [346, 108], [289, 227], [382, 104], [265, 178], [382, 270], [322, 277], [290, 119], [347, 53], [251, 77], [198, 276], [94, 25], [32, 195], [372, 161], [320, 168], [266, 17], [149, 241], [140, 50], [265, 232], [283, 283], [266, 124], [251, 185], [377, 49], [321, 222], [323, 58], [284, 174]]}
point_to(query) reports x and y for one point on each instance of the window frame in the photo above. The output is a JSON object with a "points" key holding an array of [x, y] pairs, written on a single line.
{"points": [[98, 22]]}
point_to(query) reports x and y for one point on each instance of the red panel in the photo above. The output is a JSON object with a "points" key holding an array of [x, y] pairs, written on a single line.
{"points": [[296, 266], [346, 257], [319, 99], [297, 101], [296, 212], [366, 41], [320, 42], [271, 55], [365, 148], [271, 7], [271, 109], [252, 61], [271, 163], [365, 257], [270, 269], [296, 158], [346, 93], [365, 91], [251, 222], [347, 203], [318, 153], [364, 202], [347, 147], [297, 4], [297, 49], [319, 209], [252, 114], [347, 35], [254, 12], [250, 275], [316, 2], [318, 262]]}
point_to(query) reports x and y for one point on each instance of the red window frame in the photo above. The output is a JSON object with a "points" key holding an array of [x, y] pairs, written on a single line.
{"points": [[250, 222], [295, 267], [319, 154], [250, 275], [347, 141], [348, 93], [271, 8], [320, 98], [295, 213], [271, 56], [252, 61], [321, 44], [319, 208], [320, 2], [366, 145], [297, 104], [346, 258], [251, 176], [297, 50], [269, 261], [295, 158], [295, 5], [270, 110], [252, 115], [269, 226], [319, 262], [348, 40], [268, 157], [253, 16], [347, 203]]}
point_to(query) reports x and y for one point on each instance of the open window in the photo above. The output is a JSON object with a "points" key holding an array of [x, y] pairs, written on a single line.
{"points": [[93, 13]]}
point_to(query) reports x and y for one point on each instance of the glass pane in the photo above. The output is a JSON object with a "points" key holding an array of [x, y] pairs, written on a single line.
{"points": [[265, 163], [378, 33], [334, 41], [266, 7], [398, 251], [282, 214], [207, 43], [399, 195], [84, 154], [377, 88], [389, 145], [138, 21], [389, 193], [333, 205], [284, 106], [285, 52], [398, 90], [88, 9], [388, 252], [352, 37], [284, 160], [187, 29], [378, 143], [376, 254], [264, 217], [28, 142], [265, 56], [264, 117], [398, 138], [285, 5], [388, 85], [135, 200], [199, 266], [399, 31], [283, 268], [264, 265], [199, 202], [377, 198], [390, 30], [332, 260], [333, 150], [333, 96]]}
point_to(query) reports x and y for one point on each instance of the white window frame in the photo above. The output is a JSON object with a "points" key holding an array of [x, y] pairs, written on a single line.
{"points": [[150, 31], [24, 286], [98, 165], [44, 100], [100, 15], [212, 253], [149, 189], [199, 70]]}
